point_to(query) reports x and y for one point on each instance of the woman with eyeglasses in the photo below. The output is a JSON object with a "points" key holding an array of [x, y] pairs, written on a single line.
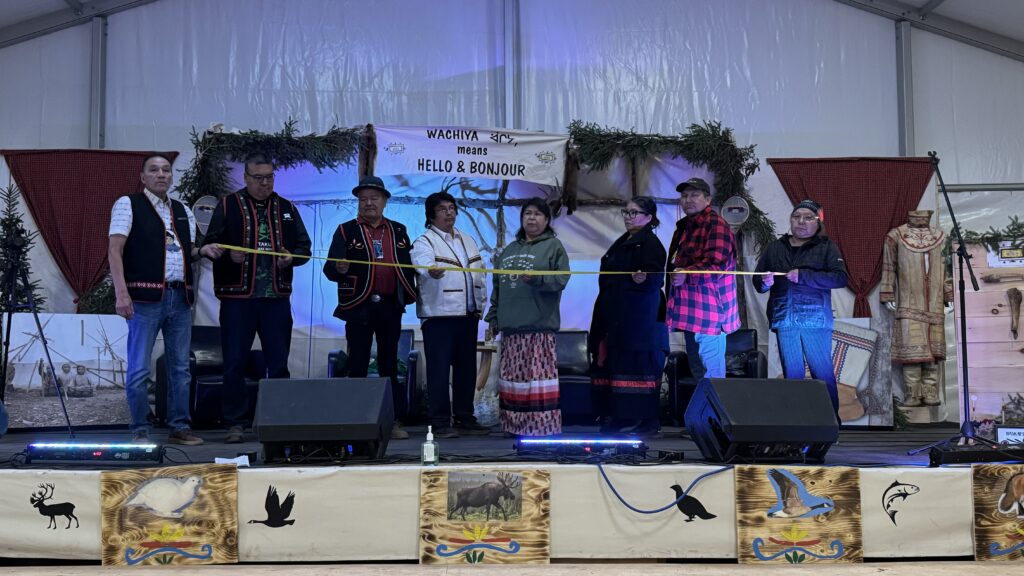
{"points": [[628, 342], [807, 267], [525, 310]]}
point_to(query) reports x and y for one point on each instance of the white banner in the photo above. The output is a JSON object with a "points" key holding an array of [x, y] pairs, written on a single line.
{"points": [[493, 153]]}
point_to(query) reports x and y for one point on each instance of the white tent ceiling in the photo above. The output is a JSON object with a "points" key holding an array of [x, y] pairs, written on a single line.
{"points": [[1003, 19]]}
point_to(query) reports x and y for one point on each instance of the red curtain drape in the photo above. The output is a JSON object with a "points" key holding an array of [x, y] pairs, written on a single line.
{"points": [[70, 194], [863, 199]]}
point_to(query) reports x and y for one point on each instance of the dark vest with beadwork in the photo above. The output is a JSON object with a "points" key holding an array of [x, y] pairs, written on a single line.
{"points": [[145, 250], [231, 280], [356, 286]]}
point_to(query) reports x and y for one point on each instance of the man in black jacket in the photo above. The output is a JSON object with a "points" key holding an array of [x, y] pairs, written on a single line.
{"points": [[371, 299], [809, 267], [254, 289]]}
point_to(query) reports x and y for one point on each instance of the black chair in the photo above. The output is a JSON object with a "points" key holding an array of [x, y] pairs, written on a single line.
{"points": [[204, 359], [742, 360], [574, 390], [415, 400], [206, 366]]}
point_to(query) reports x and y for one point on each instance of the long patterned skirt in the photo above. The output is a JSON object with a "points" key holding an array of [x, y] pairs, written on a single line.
{"points": [[528, 385], [627, 383]]}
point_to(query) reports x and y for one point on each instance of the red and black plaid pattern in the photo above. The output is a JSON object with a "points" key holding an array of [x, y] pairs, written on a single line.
{"points": [[705, 303], [70, 194], [872, 194]]}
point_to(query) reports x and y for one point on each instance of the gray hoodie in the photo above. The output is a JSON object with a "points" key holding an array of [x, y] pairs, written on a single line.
{"points": [[518, 306]]}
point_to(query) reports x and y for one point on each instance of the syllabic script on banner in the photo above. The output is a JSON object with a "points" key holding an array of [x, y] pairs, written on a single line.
{"points": [[493, 153]]}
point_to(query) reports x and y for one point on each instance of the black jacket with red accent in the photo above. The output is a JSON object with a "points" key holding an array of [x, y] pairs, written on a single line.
{"points": [[356, 285], [234, 222]]}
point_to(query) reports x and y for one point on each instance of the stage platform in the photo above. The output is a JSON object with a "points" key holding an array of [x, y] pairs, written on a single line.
{"points": [[371, 511], [855, 447]]}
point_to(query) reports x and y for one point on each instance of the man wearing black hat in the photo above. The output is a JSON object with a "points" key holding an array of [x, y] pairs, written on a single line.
{"points": [[800, 305], [702, 306], [254, 289], [371, 299]]}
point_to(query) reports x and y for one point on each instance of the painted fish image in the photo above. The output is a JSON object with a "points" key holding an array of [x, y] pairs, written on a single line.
{"points": [[896, 494]]}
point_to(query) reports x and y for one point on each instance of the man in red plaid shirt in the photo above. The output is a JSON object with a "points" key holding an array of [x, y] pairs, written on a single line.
{"points": [[703, 306]]}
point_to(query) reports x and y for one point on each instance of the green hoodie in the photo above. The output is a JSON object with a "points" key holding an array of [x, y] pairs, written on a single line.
{"points": [[518, 306]]}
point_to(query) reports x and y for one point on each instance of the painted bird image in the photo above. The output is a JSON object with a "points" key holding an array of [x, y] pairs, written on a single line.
{"points": [[690, 506], [277, 512], [793, 499]]}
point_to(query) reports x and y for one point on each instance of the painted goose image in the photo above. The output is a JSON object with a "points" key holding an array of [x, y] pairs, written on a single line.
{"points": [[793, 500], [277, 512]]}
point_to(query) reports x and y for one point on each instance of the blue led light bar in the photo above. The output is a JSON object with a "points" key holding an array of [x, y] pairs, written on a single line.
{"points": [[89, 445], [121, 452], [584, 447], [580, 441]]}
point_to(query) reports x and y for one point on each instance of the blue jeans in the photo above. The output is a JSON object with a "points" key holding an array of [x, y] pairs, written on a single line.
{"points": [[3, 419], [173, 317], [706, 354], [813, 345]]}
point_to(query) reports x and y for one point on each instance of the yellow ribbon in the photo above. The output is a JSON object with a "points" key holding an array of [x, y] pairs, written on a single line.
{"points": [[489, 270]]}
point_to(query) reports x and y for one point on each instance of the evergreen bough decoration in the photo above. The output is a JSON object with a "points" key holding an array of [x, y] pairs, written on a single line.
{"points": [[990, 239], [706, 144], [208, 173], [15, 244], [1013, 233], [99, 299]]}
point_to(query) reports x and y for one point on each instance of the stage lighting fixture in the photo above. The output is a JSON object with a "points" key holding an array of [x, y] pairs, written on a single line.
{"points": [[604, 447], [92, 452]]}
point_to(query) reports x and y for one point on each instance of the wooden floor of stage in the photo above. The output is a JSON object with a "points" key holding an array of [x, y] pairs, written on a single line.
{"points": [[855, 448]]}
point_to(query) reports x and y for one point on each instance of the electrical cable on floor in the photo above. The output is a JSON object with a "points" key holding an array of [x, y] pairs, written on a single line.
{"points": [[188, 459], [685, 493]]}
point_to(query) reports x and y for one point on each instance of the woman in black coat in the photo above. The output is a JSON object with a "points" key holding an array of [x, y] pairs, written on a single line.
{"points": [[628, 342], [800, 304]]}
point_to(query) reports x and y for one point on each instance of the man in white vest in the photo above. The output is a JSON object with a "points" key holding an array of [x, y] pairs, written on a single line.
{"points": [[450, 306]]}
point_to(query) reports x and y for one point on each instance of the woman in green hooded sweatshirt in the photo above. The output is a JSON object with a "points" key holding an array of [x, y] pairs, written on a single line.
{"points": [[524, 310]]}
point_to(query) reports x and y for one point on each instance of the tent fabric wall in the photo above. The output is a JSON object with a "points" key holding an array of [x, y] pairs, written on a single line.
{"points": [[795, 77]]}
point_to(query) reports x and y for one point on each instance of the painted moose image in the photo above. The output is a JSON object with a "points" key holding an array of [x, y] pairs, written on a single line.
{"points": [[65, 509], [505, 487]]}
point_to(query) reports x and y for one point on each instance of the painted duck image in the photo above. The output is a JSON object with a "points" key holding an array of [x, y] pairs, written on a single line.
{"points": [[792, 498]]}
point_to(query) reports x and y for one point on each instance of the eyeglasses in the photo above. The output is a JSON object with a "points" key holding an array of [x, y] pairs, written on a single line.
{"points": [[803, 219], [631, 213], [261, 178]]}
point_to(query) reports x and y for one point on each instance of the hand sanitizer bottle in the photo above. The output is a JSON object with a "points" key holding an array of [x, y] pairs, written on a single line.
{"points": [[428, 452]]}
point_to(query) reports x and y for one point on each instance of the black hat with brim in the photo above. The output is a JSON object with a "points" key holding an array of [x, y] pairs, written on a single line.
{"points": [[371, 182], [697, 183]]}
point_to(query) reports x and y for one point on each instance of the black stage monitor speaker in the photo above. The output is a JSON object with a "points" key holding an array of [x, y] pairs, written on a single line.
{"points": [[324, 418], [757, 419]]}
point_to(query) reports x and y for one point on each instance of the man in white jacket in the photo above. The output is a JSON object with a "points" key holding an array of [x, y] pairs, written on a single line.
{"points": [[450, 306]]}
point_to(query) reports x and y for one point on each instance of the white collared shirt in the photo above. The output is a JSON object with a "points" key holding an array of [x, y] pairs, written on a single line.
{"points": [[121, 224]]}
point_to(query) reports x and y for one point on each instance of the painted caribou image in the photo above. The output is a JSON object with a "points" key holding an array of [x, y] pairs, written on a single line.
{"points": [[65, 509], [479, 492]]}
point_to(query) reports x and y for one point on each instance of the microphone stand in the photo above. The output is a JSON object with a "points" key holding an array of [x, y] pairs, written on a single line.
{"points": [[966, 435]]}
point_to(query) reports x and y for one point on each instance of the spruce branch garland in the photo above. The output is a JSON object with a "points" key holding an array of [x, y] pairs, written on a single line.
{"points": [[707, 144], [209, 175]]}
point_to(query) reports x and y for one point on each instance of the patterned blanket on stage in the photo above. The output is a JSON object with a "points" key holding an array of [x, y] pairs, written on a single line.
{"points": [[852, 348]]}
